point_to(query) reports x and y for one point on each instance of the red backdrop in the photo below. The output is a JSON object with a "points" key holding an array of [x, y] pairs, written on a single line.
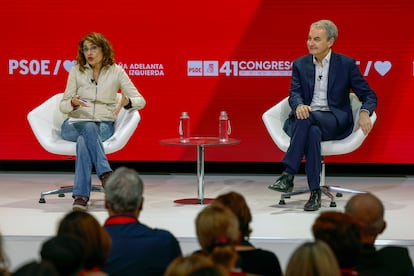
{"points": [[162, 45]]}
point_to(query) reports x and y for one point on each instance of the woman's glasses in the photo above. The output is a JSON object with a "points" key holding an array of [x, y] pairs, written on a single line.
{"points": [[93, 49]]}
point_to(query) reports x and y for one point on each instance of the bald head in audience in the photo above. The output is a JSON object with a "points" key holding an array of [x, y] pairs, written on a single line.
{"points": [[368, 210]]}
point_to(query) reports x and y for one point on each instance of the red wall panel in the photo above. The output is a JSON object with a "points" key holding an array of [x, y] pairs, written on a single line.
{"points": [[158, 41]]}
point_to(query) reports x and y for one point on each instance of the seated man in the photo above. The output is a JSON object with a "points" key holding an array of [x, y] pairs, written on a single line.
{"points": [[320, 107], [136, 248], [368, 210]]}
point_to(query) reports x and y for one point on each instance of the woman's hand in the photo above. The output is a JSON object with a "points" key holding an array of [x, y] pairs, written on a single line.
{"points": [[124, 102], [76, 101]]}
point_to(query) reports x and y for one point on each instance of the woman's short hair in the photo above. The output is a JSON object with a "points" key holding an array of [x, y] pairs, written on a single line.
{"points": [[99, 40]]}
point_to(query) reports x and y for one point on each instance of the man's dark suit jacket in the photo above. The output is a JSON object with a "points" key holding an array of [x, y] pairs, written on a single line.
{"points": [[344, 77], [389, 260]]}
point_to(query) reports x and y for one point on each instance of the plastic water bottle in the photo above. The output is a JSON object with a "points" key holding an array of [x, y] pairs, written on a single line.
{"points": [[224, 127], [184, 128]]}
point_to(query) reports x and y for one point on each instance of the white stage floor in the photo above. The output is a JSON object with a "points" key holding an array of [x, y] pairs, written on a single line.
{"points": [[25, 224]]}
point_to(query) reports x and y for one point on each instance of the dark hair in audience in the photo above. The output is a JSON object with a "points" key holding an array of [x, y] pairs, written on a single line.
{"points": [[341, 232], [95, 239], [36, 269], [209, 271], [238, 205], [65, 252]]}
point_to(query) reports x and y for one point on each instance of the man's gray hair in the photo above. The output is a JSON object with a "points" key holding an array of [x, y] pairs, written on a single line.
{"points": [[123, 190], [329, 26]]}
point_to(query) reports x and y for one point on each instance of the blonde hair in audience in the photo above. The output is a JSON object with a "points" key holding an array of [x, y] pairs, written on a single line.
{"points": [[188, 265], [313, 258], [217, 232]]}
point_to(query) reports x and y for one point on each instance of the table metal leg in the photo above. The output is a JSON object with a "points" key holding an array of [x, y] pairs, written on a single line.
{"points": [[200, 173], [200, 181]]}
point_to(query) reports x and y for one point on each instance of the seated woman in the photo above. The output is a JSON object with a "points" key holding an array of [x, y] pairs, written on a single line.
{"points": [[92, 103]]}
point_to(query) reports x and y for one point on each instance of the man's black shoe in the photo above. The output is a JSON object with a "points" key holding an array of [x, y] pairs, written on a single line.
{"points": [[314, 202], [283, 184]]}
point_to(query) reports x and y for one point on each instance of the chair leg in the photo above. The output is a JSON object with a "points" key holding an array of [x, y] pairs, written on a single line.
{"points": [[59, 191], [324, 188], [325, 191], [289, 194], [335, 189], [339, 190], [64, 190], [98, 188]]}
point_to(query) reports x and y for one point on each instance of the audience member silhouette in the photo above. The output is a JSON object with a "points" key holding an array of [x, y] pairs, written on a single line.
{"points": [[209, 271], [368, 210], [36, 269], [251, 259], [136, 248], [217, 231], [65, 252], [95, 240], [313, 258], [194, 264], [4, 263], [341, 232]]}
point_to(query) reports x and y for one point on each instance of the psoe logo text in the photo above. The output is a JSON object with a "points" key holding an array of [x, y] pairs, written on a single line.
{"points": [[38, 67]]}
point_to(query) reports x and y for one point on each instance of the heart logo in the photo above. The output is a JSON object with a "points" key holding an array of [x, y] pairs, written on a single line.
{"points": [[382, 67], [68, 64]]}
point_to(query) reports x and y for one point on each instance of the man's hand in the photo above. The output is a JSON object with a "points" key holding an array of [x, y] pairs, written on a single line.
{"points": [[364, 122], [302, 111]]}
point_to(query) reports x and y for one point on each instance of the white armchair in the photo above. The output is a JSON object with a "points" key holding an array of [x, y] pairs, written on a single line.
{"points": [[274, 119], [46, 120]]}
